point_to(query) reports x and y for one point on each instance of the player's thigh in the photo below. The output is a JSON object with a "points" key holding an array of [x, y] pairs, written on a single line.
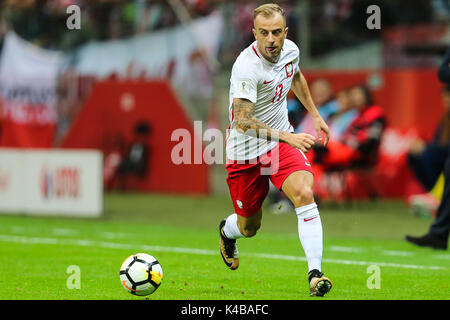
{"points": [[298, 187], [248, 189]]}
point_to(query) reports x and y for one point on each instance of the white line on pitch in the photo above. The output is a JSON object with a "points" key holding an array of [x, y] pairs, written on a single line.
{"points": [[116, 235], [442, 256], [64, 232], [126, 246], [344, 249], [121, 235], [397, 253]]}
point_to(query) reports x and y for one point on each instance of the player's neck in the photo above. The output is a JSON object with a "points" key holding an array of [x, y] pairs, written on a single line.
{"points": [[272, 60]]}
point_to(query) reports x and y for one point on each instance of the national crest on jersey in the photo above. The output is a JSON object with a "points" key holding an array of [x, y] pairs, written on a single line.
{"points": [[266, 84], [289, 69]]}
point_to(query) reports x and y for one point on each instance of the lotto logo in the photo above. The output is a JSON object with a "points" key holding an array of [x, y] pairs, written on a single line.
{"points": [[60, 182]]}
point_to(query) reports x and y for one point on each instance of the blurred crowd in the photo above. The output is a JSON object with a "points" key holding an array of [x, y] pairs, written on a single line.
{"points": [[337, 23], [43, 22], [357, 125]]}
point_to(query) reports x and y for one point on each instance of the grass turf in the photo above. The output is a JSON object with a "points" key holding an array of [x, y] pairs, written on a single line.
{"points": [[181, 232]]}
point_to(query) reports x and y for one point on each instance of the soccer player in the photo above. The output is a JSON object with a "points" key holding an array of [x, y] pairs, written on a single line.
{"points": [[261, 143]]}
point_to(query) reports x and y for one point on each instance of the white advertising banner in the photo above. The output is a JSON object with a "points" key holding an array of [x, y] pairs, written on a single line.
{"points": [[51, 182], [12, 178], [173, 53]]}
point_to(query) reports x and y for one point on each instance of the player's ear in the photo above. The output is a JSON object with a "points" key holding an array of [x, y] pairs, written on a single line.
{"points": [[254, 33], [286, 31]]}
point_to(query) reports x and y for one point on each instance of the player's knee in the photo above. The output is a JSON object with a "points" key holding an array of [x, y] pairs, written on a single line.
{"points": [[249, 226], [303, 195], [250, 232]]}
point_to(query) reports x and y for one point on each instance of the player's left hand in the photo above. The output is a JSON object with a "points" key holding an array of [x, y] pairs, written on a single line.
{"points": [[320, 126]]}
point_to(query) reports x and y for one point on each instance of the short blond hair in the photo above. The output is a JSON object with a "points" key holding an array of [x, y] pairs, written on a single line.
{"points": [[268, 10]]}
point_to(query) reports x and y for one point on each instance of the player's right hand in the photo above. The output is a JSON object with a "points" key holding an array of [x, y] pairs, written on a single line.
{"points": [[302, 141]]}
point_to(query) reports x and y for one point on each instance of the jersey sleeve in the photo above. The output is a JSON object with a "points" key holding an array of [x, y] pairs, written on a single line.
{"points": [[244, 80], [296, 61]]}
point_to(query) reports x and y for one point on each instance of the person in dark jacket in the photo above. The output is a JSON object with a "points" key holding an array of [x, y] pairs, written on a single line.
{"points": [[438, 233], [136, 160], [427, 158], [444, 69]]}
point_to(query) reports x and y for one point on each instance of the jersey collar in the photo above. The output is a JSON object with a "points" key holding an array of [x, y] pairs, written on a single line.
{"points": [[256, 51]]}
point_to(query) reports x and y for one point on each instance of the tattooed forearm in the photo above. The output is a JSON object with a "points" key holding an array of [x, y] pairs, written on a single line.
{"points": [[247, 123]]}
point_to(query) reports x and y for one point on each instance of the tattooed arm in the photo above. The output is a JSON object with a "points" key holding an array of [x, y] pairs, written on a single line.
{"points": [[247, 123]]}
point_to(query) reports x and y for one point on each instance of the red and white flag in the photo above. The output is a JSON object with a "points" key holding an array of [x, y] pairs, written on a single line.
{"points": [[28, 83]]}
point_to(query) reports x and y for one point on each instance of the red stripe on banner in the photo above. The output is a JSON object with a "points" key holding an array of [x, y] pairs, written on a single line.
{"points": [[27, 135]]}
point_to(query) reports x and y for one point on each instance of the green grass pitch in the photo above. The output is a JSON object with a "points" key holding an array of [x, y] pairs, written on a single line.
{"points": [[182, 233]]}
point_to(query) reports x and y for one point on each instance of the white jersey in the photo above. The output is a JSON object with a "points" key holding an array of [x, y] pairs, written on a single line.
{"points": [[266, 84]]}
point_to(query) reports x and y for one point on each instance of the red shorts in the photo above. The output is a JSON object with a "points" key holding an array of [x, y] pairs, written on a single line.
{"points": [[248, 180]]}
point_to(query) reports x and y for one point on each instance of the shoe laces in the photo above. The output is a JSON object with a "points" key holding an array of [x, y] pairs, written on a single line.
{"points": [[230, 245], [314, 274]]}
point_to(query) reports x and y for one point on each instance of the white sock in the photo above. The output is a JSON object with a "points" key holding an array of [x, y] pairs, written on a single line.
{"points": [[310, 234], [231, 229]]}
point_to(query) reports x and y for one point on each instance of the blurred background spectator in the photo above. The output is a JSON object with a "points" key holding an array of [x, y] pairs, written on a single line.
{"points": [[340, 120], [322, 95], [359, 143], [444, 69], [135, 163], [439, 231], [427, 158]]}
